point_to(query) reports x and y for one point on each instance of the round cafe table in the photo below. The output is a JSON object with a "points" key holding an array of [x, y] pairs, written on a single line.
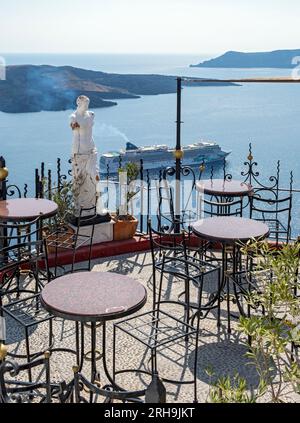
{"points": [[230, 231], [19, 210], [224, 188], [93, 298], [26, 209]]}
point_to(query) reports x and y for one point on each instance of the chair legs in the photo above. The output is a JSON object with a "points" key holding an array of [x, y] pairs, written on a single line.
{"points": [[219, 298], [153, 345], [28, 353]]}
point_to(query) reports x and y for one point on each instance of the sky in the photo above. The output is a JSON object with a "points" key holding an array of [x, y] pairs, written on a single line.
{"points": [[148, 26]]}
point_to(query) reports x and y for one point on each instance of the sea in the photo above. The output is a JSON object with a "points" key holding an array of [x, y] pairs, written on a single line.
{"points": [[267, 115]]}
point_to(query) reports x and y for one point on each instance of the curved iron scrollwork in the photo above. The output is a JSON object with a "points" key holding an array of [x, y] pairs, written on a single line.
{"points": [[13, 369], [70, 170], [226, 176], [60, 178], [25, 190], [11, 191], [291, 181], [184, 171], [251, 174]]}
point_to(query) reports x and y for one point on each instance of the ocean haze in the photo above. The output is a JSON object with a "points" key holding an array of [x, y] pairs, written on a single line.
{"points": [[114, 63]]}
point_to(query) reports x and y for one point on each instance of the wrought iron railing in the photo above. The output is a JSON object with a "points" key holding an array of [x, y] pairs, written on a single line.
{"points": [[146, 203]]}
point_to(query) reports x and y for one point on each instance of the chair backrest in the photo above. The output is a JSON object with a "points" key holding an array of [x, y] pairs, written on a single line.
{"points": [[176, 199], [169, 246], [22, 248], [12, 234], [14, 389], [87, 217], [274, 211], [165, 212], [168, 242], [217, 206]]}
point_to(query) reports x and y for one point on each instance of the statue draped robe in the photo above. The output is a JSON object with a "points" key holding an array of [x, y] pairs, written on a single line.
{"points": [[84, 162]]}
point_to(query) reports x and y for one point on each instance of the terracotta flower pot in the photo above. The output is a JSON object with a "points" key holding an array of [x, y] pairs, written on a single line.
{"points": [[125, 229]]}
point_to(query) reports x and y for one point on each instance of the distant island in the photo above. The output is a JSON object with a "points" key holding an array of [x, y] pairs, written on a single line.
{"points": [[29, 88], [235, 59]]}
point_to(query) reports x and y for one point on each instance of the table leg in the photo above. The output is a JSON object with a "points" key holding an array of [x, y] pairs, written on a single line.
{"points": [[93, 352], [79, 333], [93, 359], [109, 377], [235, 264], [224, 284], [226, 279]]}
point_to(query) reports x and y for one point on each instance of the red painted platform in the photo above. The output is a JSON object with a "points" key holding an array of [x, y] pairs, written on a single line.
{"points": [[116, 248], [105, 249]]}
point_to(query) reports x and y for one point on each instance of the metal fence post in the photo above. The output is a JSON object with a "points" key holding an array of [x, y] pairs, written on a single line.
{"points": [[58, 175], [3, 177], [142, 196], [3, 188], [178, 157], [37, 184]]}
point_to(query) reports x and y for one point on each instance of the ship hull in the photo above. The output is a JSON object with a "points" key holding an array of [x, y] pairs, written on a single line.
{"points": [[157, 163]]}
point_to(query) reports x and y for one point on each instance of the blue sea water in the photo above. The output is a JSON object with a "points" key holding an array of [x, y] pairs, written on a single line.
{"points": [[265, 114]]}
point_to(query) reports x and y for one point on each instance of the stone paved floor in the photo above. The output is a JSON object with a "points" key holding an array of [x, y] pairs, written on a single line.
{"points": [[223, 353]]}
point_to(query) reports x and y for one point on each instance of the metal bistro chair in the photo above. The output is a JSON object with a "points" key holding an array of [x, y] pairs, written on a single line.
{"points": [[166, 215], [214, 207], [14, 389], [62, 239], [172, 256], [276, 212], [168, 222], [22, 304], [158, 329], [20, 251]]}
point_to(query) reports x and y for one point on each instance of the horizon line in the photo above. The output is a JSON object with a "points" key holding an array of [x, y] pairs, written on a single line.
{"points": [[169, 53]]}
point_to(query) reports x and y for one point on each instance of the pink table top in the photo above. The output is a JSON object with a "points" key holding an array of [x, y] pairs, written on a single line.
{"points": [[25, 209], [228, 229], [219, 187], [93, 296]]}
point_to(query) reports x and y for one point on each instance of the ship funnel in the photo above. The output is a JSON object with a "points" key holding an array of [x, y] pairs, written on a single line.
{"points": [[130, 146]]}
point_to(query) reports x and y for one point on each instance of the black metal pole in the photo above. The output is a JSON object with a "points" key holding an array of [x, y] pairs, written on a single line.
{"points": [[178, 157], [178, 137], [2, 182], [3, 194], [37, 184]]}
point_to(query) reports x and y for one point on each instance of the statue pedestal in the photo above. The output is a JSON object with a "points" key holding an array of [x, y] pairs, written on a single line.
{"points": [[104, 232]]}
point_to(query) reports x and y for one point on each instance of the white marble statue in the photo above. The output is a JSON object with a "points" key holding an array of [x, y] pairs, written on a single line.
{"points": [[85, 168]]}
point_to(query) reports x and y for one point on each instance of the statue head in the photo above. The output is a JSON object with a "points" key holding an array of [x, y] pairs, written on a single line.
{"points": [[83, 103]]}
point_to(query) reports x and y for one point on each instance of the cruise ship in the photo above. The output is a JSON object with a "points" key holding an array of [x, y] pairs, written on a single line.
{"points": [[162, 156]]}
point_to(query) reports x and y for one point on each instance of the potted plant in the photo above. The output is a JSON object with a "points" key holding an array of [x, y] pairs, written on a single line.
{"points": [[59, 230], [125, 225]]}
